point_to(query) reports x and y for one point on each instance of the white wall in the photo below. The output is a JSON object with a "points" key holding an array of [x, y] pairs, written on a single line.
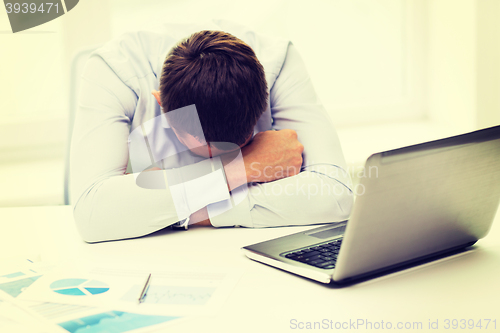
{"points": [[488, 63], [452, 59], [464, 63]]}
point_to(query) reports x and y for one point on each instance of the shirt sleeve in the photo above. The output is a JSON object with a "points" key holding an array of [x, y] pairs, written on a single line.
{"points": [[108, 203], [321, 192], [195, 186]]}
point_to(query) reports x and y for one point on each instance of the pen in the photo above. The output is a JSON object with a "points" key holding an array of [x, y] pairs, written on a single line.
{"points": [[142, 295]]}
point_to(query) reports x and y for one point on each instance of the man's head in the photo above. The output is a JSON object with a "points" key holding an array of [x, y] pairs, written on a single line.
{"points": [[221, 75]]}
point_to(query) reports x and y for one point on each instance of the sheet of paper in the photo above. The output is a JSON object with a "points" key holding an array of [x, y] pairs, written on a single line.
{"points": [[80, 319], [15, 318], [16, 315], [172, 292], [18, 274]]}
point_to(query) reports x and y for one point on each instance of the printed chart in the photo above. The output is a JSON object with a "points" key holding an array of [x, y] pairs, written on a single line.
{"points": [[79, 287], [17, 275], [113, 321], [17, 286]]}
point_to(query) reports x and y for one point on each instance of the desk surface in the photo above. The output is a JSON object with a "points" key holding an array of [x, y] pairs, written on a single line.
{"points": [[464, 286]]}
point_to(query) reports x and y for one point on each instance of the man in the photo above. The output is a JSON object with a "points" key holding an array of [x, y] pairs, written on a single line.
{"points": [[243, 141]]}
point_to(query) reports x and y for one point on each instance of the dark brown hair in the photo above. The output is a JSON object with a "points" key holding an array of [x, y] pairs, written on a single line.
{"points": [[221, 75]]}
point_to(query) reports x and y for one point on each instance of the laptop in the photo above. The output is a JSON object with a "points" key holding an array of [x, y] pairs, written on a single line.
{"points": [[426, 201]]}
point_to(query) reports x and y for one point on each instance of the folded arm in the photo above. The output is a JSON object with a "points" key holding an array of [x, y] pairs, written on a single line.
{"points": [[321, 192]]}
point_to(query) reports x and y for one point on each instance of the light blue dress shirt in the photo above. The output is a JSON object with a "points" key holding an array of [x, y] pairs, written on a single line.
{"points": [[115, 100]]}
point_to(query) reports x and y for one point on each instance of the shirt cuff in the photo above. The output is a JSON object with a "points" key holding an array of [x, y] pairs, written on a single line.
{"points": [[232, 212], [195, 186]]}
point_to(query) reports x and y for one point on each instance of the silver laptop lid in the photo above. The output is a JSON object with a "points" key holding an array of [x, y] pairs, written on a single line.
{"points": [[421, 200]]}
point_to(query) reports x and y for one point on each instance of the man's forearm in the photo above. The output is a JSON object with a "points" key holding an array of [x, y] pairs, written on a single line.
{"points": [[116, 208], [307, 198], [271, 155]]}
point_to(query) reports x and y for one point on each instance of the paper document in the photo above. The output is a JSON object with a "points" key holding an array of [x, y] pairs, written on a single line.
{"points": [[18, 315], [17, 275], [172, 292], [82, 319], [16, 318]]}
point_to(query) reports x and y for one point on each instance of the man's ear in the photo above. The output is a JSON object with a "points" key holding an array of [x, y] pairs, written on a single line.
{"points": [[156, 94]]}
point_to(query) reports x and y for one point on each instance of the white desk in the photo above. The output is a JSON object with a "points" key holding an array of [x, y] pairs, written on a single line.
{"points": [[465, 286]]}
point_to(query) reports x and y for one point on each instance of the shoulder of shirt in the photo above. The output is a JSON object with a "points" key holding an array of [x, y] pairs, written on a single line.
{"points": [[139, 54]]}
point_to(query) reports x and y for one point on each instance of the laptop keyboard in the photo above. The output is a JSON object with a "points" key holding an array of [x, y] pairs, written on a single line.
{"points": [[322, 256]]}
